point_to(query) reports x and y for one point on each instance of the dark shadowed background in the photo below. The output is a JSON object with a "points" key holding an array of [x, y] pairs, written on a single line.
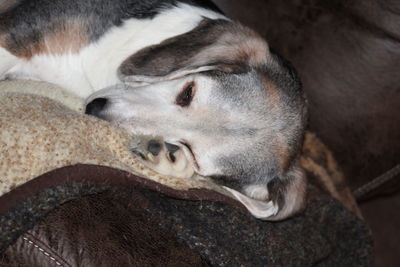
{"points": [[348, 55]]}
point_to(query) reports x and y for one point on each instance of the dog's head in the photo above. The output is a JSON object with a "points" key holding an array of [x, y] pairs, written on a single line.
{"points": [[219, 91]]}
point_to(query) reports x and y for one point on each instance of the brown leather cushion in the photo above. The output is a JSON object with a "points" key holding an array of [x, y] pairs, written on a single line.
{"points": [[101, 230], [127, 215]]}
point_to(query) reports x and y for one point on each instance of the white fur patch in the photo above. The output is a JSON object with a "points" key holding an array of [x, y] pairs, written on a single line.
{"points": [[7, 61], [259, 192], [260, 209], [95, 66]]}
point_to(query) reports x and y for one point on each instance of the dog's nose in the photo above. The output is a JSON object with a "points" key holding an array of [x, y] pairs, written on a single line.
{"points": [[96, 106]]}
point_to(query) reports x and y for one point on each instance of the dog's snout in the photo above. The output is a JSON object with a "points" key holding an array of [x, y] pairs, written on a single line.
{"points": [[96, 106]]}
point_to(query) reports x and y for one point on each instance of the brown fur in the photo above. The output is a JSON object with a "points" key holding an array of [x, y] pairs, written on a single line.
{"points": [[283, 155], [273, 94], [7, 4], [240, 44], [274, 98], [68, 37]]}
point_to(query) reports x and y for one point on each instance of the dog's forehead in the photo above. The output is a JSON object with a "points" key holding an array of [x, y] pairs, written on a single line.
{"points": [[245, 90]]}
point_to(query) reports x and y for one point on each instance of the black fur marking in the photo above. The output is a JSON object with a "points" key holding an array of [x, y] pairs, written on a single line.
{"points": [[178, 52]]}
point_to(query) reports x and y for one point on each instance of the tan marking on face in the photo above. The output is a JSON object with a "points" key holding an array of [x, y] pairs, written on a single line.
{"points": [[274, 98], [275, 105], [282, 152]]}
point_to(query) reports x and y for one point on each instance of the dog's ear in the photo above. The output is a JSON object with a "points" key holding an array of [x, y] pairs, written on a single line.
{"points": [[286, 197], [212, 45]]}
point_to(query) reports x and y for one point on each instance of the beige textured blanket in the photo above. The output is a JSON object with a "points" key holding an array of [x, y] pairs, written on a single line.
{"points": [[42, 128]]}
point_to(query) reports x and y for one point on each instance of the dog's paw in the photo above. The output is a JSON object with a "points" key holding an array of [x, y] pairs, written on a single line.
{"points": [[162, 157]]}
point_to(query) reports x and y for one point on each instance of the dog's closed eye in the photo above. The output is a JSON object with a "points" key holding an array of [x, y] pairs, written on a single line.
{"points": [[186, 95]]}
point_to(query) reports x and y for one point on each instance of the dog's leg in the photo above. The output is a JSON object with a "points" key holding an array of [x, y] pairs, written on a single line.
{"points": [[164, 158]]}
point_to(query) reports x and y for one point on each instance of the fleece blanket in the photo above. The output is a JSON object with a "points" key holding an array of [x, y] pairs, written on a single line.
{"points": [[52, 153], [40, 135]]}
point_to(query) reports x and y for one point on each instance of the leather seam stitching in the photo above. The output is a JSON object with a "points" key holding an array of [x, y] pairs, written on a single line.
{"points": [[42, 250]]}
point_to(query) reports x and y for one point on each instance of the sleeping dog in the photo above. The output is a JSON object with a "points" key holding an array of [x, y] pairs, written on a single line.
{"points": [[220, 103]]}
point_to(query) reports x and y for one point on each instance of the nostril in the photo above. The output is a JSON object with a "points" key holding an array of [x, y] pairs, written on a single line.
{"points": [[96, 106]]}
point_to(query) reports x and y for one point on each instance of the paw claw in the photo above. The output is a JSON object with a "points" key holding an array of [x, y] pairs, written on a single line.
{"points": [[151, 157], [171, 157]]}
